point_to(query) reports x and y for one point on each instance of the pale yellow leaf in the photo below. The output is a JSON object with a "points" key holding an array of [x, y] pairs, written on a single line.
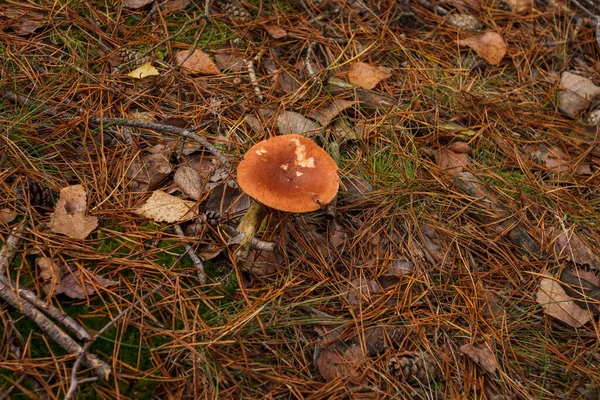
{"points": [[556, 303], [144, 71], [162, 207]]}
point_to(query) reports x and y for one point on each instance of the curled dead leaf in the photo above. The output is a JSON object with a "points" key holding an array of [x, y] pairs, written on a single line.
{"points": [[451, 161], [489, 45], [275, 31], [189, 180], [336, 362], [576, 248], [361, 291], [366, 75], [69, 215], [556, 303], [293, 122], [7, 216]]}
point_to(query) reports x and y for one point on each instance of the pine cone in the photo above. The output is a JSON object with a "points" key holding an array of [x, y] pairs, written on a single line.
{"points": [[236, 12], [414, 367], [33, 193], [133, 57]]}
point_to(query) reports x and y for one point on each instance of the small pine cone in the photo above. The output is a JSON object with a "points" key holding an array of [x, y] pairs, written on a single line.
{"points": [[133, 57], [236, 12], [414, 367], [33, 193]]}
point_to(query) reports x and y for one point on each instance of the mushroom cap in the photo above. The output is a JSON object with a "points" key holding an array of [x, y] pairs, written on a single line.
{"points": [[289, 173]]}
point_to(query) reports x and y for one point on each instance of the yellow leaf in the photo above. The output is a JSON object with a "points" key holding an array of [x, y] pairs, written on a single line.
{"points": [[144, 71]]}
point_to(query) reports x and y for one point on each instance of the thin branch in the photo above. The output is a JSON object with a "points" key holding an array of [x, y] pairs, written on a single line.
{"points": [[155, 126], [256, 244], [190, 252]]}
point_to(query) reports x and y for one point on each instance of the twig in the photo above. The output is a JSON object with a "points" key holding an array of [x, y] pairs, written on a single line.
{"points": [[155, 126], [309, 69], [11, 245], [101, 369], [256, 244], [7, 392], [190, 251]]}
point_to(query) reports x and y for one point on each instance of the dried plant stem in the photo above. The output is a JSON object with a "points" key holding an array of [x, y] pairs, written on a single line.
{"points": [[255, 244], [248, 227], [101, 369], [155, 126], [190, 252]]}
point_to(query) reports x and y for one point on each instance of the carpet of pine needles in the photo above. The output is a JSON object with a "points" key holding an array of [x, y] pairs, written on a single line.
{"points": [[266, 334]]}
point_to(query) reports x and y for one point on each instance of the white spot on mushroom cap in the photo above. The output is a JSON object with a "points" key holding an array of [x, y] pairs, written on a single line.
{"points": [[260, 152], [301, 159], [284, 166], [298, 173]]}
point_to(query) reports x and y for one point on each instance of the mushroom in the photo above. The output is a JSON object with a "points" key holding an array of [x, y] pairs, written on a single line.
{"points": [[289, 173]]}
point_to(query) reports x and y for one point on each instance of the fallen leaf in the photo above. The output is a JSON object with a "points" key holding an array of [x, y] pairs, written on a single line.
{"points": [[286, 82], [491, 305], [147, 171], [69, 215], [293, 122], [432, 244], [354, 190], [171, 6], [331, 109], [336, 362], [556, 303], [482, 356], [24, 19], [559, 162], [7, 216], [489, 45], [576, 94], [342, 131], [451, 161], [198, 63], [262, 263], [464, 22], [519, 6], [162, 207], [189, 180], [576, 249], [144, 71], [226, 60], [226, 202], [50, 270], [77, 286], [360, 291], [135, 4], [275, 31], [366, 75]]}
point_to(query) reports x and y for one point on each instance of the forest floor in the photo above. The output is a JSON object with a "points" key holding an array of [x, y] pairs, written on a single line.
{"points": [[459, 259]]}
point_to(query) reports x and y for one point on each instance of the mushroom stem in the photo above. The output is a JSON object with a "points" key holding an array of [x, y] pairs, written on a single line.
{"points": [[248, 226]]}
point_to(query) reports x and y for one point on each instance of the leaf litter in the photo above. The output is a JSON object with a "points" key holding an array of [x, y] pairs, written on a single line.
{"points": [[454, 169]]}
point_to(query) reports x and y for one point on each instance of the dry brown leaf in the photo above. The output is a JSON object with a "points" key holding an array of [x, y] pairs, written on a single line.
{"points": [[293, 122], [489, 45], [76, 286], [559, 162], [451, 161], [135, 4], [225, 201], [366, 75], [162, 207], [556, 303], [432, 244], [378, 339], [342, 131], [7, 216], [275, 31], [24, 19], [519, 6], [199, 63], [263, 263], [576, 249], [576, 93], [50, 269], [361, 291], [69, 215], [491, 305], [331, 109], [189, 180], [226, 60], [147, 171], [286, 82], [337, 362], [482, 356]]}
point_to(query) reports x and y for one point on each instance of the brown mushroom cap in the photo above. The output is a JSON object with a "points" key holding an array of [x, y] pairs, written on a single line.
{"points": [[289, 173]]}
